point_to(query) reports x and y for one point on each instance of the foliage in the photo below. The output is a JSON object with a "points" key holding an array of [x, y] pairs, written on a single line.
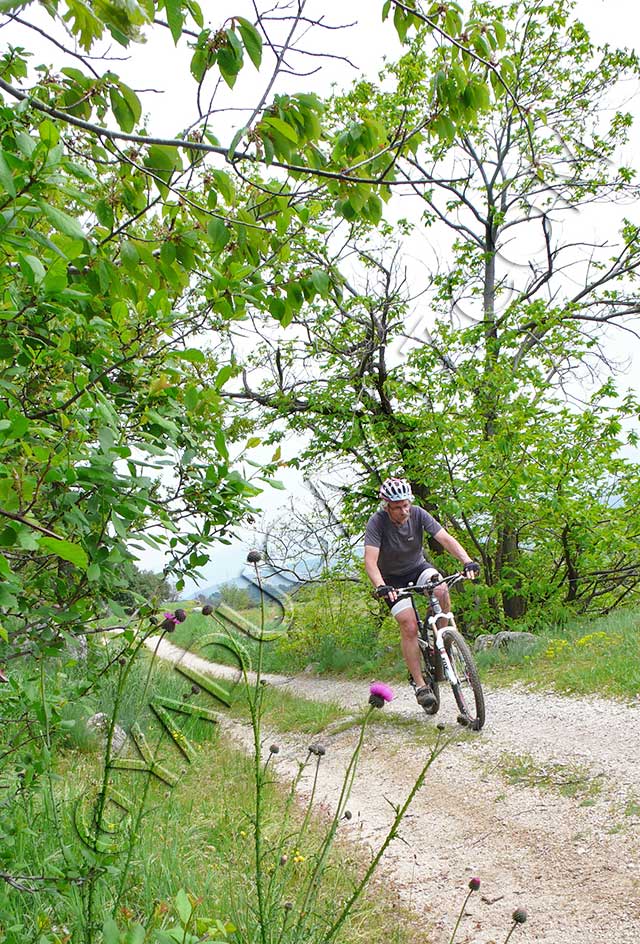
{"points": [[144, 587], [238, 598], [482, 406]]}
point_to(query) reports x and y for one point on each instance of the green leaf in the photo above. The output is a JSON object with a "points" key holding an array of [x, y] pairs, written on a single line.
{"points": [[282, 127], [223, 375], [218, 234], [237, 138], [93, 572], [220, 443], [62, 221], [6, 177], [110, 932], [121, 111], [183, 906], [175, 18], [192, 354], [251, 39], [162, 161], [66, 550], [48, 132], [321, 282]]}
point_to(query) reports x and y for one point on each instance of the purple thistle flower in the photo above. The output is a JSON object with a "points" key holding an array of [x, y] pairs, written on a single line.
{"points": [[474, 884], [379, 693], [170, 617]]}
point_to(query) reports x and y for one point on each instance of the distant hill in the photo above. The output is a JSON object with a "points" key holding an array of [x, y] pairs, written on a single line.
{"points": [[278, 584]]}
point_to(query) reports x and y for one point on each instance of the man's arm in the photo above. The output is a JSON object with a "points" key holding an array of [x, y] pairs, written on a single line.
{"points": [[371, 555], [454, 547]]}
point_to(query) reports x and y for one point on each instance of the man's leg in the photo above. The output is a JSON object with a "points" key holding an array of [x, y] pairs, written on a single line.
{"points": [[442, 592], [409, 643], [406, 617]]}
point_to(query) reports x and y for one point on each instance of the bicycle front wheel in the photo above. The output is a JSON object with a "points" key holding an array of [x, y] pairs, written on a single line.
{"points": [[468, 690]]}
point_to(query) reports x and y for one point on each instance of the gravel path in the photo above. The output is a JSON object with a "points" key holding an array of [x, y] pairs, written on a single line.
{"points": [[573, 863]]}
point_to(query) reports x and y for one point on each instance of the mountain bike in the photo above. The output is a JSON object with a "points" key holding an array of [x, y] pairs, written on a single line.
{"points": [[446, 656]]}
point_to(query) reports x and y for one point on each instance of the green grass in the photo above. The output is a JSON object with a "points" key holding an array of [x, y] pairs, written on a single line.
{"points": [[586, 657], [569, 780], [196, 836]]}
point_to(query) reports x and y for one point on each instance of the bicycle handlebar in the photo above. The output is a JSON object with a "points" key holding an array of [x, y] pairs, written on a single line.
{"points": [[425, 588], [450, 581]]}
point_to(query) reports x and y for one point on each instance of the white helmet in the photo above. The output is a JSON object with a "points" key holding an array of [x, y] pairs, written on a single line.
{"points": [[396, 490]]}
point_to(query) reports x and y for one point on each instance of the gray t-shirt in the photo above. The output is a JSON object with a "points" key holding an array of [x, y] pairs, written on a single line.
{"points": [[401, 550]]}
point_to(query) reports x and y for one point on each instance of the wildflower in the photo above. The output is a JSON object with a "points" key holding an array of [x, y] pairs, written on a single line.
{"points": [[288, 906], [274, 749], [298, 858], [169, 623], [284, 859], [122, 661], [207, 610], [519, 916], [180, 616], [317, 749], [474, 884], [254, 556], [243, 835], [379, 693], [348, 814]]}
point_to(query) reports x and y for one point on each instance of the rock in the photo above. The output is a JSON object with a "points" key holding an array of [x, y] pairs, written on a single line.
{"points": [[78, 648], [484, 642], [98, 725], [505, 640]]}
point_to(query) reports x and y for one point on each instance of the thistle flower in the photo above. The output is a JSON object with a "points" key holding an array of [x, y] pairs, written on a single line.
{"points": [[519, 916], [474, 884], [317, 749], [207, 610], [274, 749], [379, 693], [254, 556], [180, 616]]}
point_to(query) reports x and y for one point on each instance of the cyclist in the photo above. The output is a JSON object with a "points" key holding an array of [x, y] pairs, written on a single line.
{"points": [[394, 557]]}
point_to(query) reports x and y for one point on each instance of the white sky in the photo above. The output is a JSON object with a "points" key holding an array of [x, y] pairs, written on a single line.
{"points": [[154, 66]]}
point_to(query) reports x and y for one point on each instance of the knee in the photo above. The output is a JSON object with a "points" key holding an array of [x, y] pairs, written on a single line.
{"points": [[443, 598], [408, 628]]}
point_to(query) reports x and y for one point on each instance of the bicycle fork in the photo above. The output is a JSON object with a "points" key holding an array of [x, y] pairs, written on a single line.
{"points": [[436, 634]]}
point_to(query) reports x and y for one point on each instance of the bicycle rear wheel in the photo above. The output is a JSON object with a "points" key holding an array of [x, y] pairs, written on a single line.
{"points": [[468, 691]]}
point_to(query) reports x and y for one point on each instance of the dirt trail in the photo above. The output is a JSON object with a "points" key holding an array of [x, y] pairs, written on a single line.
{"points": [[573, 863]]}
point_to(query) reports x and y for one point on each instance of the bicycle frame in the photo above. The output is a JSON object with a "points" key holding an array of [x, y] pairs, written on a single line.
{"points": [[429, 625]]}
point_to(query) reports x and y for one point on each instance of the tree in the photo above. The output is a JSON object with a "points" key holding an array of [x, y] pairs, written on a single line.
{"points": [[144, 587], [482, 414], [120, 250]]}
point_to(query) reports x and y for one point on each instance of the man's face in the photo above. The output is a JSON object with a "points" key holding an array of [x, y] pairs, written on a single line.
{"points": [[398, 511]]}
